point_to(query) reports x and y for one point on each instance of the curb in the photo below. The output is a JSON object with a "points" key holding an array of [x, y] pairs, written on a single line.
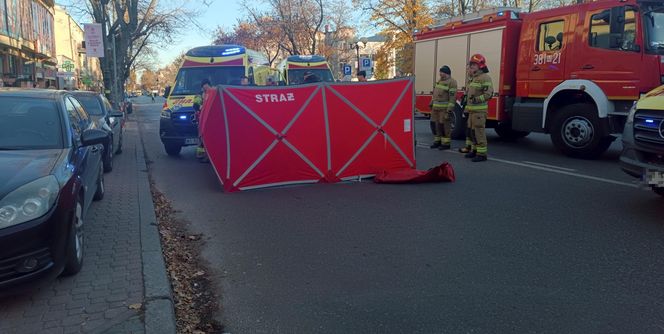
{"points": [[158, 303]]}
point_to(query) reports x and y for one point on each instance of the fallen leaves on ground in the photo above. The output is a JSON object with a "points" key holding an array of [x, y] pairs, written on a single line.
{"points": [[193, 292]]}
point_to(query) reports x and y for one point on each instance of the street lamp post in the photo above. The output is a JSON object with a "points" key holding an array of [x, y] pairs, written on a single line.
{"points": [[356, 46]]}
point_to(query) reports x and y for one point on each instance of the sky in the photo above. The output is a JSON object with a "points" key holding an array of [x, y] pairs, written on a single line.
{"points": [[213, 13], [218, 13]]}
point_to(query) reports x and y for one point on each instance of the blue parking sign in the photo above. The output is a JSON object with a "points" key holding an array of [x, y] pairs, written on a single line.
{"points": [[348, 70], [366, 62]]}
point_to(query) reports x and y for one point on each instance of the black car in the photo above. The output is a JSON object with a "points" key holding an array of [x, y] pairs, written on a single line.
{"points": [[50, 172], [106, 118]]}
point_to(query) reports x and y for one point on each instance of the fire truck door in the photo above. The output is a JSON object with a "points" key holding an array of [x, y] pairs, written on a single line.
{"points": [[547, 60], [610, 52]]}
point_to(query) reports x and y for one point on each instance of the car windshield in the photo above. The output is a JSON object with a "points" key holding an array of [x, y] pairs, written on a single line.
{"points": [[90, 104], [29, 124], [188, 81], [654, 22], [296, 77]]}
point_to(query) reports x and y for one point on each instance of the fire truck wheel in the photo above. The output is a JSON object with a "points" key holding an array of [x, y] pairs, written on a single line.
{"points": [[576, 131], [505, 131], [458, 124]]}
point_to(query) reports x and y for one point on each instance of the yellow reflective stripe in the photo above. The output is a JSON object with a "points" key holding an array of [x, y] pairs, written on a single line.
{"points": [[445, 87], [477, 106], [475, 84], [451, 104], [440, 104], [453, 90], [482, 149], [446, 140], [482, 98], [469, 142], [487, 84]]}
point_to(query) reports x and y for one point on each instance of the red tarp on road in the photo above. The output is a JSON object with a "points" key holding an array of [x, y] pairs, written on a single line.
{"points": [[266, 136]]}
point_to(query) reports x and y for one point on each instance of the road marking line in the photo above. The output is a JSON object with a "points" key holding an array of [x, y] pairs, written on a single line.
{"points": [[549, 166], [553, 169], [583, 176]]}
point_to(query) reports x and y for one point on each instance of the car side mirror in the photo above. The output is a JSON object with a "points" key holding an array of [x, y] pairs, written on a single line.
{"points": [[116, 114], [94, 137], [167, 91]]}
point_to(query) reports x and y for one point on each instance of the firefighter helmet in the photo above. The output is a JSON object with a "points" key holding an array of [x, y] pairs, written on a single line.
{"points": [[479, 60]]}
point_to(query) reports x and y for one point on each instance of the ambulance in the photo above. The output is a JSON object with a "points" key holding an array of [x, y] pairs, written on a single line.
{"points": [[221, 65], [293, 69]]}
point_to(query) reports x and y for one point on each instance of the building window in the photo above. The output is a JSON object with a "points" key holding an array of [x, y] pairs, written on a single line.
{"points": [[550, 37], [11, 64]]}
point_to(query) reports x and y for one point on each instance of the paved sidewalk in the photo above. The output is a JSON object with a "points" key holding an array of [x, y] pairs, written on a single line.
{"points": [[122, 247]]}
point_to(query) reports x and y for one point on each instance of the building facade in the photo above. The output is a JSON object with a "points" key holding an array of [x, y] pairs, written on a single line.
{"points": [[76, 70], [27, 45]]}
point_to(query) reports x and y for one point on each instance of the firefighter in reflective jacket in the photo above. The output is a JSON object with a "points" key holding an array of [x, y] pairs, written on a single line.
{"points": [[478, 92], [442, 104]]}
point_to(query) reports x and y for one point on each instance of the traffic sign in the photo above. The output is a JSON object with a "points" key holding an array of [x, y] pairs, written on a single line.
{"points": [[348, 70], [366, 63]]}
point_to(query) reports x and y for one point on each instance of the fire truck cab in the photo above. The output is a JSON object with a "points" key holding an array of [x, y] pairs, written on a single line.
{"points": [[572, 72]]}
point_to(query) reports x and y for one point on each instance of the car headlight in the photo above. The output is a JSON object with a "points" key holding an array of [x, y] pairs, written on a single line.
{"points": [[29, 201], [632, 111], [166, 113]]}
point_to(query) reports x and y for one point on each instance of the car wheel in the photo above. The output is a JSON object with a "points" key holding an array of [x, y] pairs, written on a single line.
{"points": [[172, 149], [658, 190], [119, 149], [577, 132], [74, 246], [108, 157], [101, 187]]}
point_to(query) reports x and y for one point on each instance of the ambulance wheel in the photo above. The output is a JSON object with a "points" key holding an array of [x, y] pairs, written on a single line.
{"points": [[577, 131], [505, 131], [172, 149], [658, 190], [458, 124]]}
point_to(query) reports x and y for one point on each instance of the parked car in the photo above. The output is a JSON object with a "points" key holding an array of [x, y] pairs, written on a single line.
{"points": [[643, 141], [107, 118], [127, 105], [50, 172]]}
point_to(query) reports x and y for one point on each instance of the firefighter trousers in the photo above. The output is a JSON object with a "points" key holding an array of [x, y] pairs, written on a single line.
{"points": [[437, 116], [477, 125], [446, 127]]}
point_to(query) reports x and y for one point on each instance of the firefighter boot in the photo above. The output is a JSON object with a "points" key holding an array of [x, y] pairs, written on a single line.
{"points": [[465, 150], [479, 158], [436, 142], [471, 154]]}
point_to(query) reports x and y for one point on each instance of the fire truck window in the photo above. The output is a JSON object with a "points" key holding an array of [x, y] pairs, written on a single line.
{"points": [[600, 31], [551, 36], [629, 36]]}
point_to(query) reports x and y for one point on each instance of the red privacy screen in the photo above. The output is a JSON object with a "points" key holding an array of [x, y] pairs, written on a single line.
{"points": [[260, 137]]}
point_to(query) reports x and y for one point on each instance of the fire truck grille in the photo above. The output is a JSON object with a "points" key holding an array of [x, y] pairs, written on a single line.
{"points": [[649, 127]]}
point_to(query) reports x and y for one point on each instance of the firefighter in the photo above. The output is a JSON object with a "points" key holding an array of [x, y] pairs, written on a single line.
{"points": [[479, 92], [443, 104]]}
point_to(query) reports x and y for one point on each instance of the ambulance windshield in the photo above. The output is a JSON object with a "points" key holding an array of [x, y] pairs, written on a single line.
{"points": [[188, 81], [654, 22]]}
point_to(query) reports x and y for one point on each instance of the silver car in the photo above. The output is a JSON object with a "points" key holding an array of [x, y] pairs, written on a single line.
{"points": [[107, 118]]}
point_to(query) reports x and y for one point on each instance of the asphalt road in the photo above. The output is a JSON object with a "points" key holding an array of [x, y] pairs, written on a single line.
{"points": [[528, 242]]}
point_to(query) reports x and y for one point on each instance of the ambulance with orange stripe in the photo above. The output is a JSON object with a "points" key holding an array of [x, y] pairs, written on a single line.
{"points": [[293, 69], [221, 65]]}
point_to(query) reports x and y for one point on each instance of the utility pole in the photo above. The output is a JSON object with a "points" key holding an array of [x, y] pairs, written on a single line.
{"points": [[115, 68]]}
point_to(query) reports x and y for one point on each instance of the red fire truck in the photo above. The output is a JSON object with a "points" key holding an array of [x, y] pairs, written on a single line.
{"points": [[572, 72]]}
